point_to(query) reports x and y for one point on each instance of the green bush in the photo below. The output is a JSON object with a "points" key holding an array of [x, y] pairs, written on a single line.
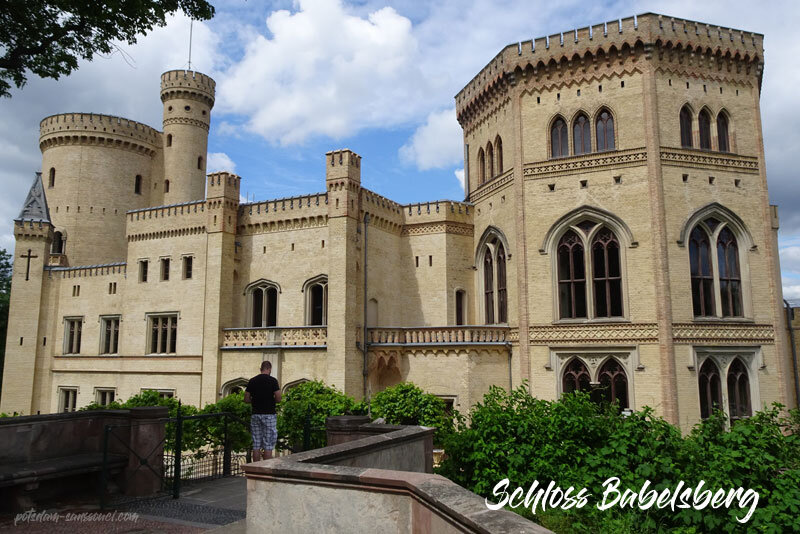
{"points": [[575, 442], [406, 404]]}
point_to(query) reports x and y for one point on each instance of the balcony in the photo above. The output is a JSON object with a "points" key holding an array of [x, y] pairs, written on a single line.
{"points": [[294, 337], [446, 335]]}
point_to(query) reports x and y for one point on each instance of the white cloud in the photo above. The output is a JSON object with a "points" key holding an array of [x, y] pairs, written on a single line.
{"points": [[791, 291], [436, 144], [460, 177], [790, 259], [219, 161]]}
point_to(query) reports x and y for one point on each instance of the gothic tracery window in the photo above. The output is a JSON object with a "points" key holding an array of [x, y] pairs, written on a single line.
{"points": [[263, 305], [710, 388], [493, 262], [605, 131], [613, 384], [576, 377], [704, 123], [722, 133], [739, 404], [715, 272], [316, 291], [559, 139], [581, 135], [502, 304], [686, 127], [701, 273], [606, 275], [571, 277], [488, 286]]}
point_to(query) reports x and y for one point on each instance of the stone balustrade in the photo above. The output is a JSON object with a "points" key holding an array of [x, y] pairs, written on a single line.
{"points": [[496, 335], [277, 337]]}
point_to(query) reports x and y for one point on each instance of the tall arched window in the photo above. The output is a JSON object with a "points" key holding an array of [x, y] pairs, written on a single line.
{"points": [[576, 377], [581, 135], [722, 132], [498, 154], [489, 161], [316, 291], [58, 243], [488, 286], [52, 181], [169, 139], [613, 383], [502, 304], [559, 139], [605, 131], [606, 275], [571, 277], [704, 122], [710, 388], [739, 405], [730, 279], [263, 304], [481, 166], [701, 273], [686, 127]]}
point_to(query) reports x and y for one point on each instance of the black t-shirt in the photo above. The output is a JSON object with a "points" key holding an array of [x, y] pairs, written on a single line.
{"points": [[262, 390]]}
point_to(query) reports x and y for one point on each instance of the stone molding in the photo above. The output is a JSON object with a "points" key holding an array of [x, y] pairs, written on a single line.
{"points": [[589, 162], [493, 185], [274, 337], [186, 120], [594, 333], [451, 335], [723, 333], [708, 160], [438, 228]]}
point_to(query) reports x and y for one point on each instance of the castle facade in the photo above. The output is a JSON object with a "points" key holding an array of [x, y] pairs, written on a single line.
{"points": [[616, 237]]}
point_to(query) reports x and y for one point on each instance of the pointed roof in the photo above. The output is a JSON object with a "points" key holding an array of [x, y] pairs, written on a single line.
{"points": [[35, 206]]}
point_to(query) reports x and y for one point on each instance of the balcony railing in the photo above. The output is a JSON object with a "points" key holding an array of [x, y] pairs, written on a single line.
{"points": [[463, 335], [278, 337]]}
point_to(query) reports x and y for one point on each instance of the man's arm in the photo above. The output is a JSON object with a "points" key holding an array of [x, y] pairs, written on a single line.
{"points": [[247, 398], [277, 395]]}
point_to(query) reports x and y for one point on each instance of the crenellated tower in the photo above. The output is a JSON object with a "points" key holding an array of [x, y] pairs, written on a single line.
{"points": [[188, 98]]}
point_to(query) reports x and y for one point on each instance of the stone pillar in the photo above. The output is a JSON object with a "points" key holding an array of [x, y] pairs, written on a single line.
{"points": [[344, 428], [146, 455]]}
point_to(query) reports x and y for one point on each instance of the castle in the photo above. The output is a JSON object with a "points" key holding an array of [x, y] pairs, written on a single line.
{"points": [[616, 237]]}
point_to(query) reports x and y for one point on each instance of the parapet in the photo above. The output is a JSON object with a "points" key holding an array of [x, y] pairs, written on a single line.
{"points": [[344, 163], [188, 84], [223, 184], [93, 128]]}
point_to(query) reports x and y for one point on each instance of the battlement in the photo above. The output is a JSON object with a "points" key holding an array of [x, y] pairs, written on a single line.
{"points": [[97, 125], [81, 271], [438, 210], [648, 29], [175, 83], [341, 164], [305, 207]]}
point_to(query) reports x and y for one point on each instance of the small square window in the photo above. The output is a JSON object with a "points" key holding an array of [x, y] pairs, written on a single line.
{"points": [[584, 184], [617, 179], [104, 396], [685, 178], [551, 187], [737, 182], [711, 180], [67, 399]]}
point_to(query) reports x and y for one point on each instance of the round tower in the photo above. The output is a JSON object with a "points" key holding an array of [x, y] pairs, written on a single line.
{"points": [[94, 169], [188, 98]]}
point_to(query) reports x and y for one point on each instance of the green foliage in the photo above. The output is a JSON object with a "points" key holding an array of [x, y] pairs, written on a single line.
{"points": [[48, 37], [406, 404], [317, 401], [576, 442]]}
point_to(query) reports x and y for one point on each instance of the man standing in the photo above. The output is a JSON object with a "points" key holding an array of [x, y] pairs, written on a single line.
{"points": [[263, 392]]}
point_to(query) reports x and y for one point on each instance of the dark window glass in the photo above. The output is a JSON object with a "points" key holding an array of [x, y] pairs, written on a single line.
{"points": [[52, 181], [272, 307], [710, 390], [738, 391], [704, 121], [137, 184], [166, 186], [498, 154], [317, 304], [258, 307], [571, 277], [502, 305], [686, 127], [722, 133], [558, 139], [481, 166], [702, 276], [58, 243], [613, 384], [606, 275], [460, 308], [605, 131], [154, 335], [488, 286], [576, 377], [730, 280], [173, 334], [581, 135], [490, 161], [169, 139]]}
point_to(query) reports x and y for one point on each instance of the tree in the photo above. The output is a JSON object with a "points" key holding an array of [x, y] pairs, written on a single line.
{"points": [[48, 37], [5, 298]]}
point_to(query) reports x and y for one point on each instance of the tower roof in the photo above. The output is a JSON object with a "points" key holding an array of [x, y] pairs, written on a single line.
{"points": [[35, 206]]}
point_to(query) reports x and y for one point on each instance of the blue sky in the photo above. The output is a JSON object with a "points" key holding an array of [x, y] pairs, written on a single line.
{"points": [[297, 79]]}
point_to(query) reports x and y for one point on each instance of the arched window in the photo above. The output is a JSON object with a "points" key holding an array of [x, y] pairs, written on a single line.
{"points": [[200, 162], [52, 181], [722, 133], [166, 186], [686, 127], [606, 275], [169, 139], [231, 387], [581, 135], [498, 154], [710, 388], [605, 131], [481, 166], [704, 122], [488, 286], [263, 304], [489, 161], [558, 139], [571, 277], [137, 184], [502, 304], [701, 273], [576, 377], [730, 280], [613, 384], [316, 291], [461, 307], [58, 243], [739, 405]]}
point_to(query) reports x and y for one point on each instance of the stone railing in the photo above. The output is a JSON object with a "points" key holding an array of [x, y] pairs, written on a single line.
{"points": [[439, 335], [285, 337]]}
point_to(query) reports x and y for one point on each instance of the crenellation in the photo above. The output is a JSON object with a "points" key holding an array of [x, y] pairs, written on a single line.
{"points": [[79, 271]]}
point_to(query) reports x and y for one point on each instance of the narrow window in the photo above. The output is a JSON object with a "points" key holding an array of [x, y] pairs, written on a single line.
{"points": [[166, 186], [317, 305], [502, 304], [272, 306], [187, 267], [710, 388], [258, 307], [488, 286], [489, 161], [200, 162], [722, 133], [52, 181], [58, 244], [558, 139], [143, 270], [164, 269], [498, 154], [481, 166], [704, 121], [738, 391], [104, 396], [581, 136], [606, 275], [576, 377], [169, 139], [137, 184], [72, 336], [68, 399], [460, 304], [686, 127], [605, 131], [730, 280], [109, 342], [701, 273], [613, 384], [571, 277]]}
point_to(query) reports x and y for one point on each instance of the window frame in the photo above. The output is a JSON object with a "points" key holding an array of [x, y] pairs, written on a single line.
{"points": [[587, 128], [263, 286], [752, 360], [594, 360], [72, 344], [489, 246], [597, 120], [114, 341], [321, 280], [686, 137], [187, 266], [564, 150], [100, 391], [144, 267], [63, 396], [171, 341]]}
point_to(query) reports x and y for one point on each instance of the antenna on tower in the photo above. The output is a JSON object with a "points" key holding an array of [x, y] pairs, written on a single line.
{"points": [[190, 43]]}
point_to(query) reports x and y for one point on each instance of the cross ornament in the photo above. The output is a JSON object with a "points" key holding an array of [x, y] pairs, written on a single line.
{"points": [[29, 256]]}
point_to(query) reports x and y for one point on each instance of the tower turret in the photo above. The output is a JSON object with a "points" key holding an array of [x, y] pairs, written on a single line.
{"points": [[188, 98]]}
